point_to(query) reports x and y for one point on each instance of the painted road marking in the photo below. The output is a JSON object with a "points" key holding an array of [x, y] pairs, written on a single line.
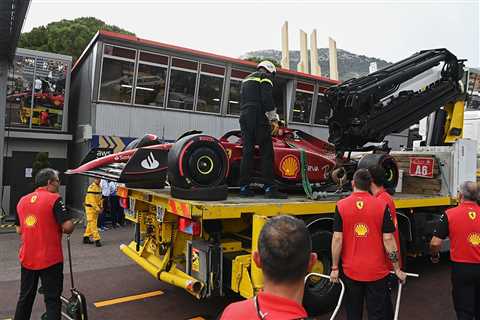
{"points": [[127, 299]]}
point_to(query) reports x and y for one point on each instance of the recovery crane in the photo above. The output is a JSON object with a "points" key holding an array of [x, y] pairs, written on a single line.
{"points": [[206, 247]]}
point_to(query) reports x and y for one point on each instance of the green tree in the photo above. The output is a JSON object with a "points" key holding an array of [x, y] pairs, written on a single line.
{"points": [[69, 37], [259, 59]]}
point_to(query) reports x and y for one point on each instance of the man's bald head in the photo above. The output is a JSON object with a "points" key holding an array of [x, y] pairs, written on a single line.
{"points": [[284, 247], [469, 191]]}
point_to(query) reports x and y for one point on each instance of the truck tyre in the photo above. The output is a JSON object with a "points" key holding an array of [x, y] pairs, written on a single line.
{"points": [[197, 161], [387, 162], [320, 294], [216, 193]]}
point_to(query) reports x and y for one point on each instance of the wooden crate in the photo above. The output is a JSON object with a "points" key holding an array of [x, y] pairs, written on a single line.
{"points": [[418, 185]]}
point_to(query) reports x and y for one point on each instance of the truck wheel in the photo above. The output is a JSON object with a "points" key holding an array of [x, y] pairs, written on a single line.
{"points": [[387, 162], [320, 294], [197, 161]]}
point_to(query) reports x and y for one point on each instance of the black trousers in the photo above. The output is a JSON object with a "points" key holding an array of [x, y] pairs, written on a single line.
{"points": [[466, 290], [256, 131], [116, 211], [374, 292], [52, 283]]}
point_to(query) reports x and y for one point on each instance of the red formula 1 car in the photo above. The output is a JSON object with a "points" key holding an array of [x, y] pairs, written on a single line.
{"points": [[200, 167]]}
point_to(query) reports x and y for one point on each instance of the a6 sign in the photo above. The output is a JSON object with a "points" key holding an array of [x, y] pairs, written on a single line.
{"points": [[421, 167]]}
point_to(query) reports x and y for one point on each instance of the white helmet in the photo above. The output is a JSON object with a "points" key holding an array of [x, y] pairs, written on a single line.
{"points": [[270, 67]]}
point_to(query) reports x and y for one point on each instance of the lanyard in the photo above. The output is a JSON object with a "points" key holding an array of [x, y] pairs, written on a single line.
{"points": [[260, 314], [263, 316]]}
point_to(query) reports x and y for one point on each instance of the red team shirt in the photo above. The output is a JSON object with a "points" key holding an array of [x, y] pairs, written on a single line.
{"points": [[364, 219], [275, 307], [41, 234]]}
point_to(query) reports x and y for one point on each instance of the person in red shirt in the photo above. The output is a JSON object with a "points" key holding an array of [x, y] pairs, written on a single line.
{"points": [[462, 225], [41, 219], [363, 230], [285, 257], [377, 188]]}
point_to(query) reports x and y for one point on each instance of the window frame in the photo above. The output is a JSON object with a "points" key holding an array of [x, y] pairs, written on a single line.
{"points": [[172, 67], [135, 63], [167, 77], [32, 54], [228, 87], [224, 77], [309, 122]]}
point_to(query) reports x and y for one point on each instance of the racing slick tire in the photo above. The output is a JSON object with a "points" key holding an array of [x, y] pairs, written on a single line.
{"points": [[197, 161], [387, 162], [216, 193], [320, 294]]}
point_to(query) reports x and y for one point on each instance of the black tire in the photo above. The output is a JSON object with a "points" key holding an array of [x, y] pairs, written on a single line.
{"points": [[197, 161], [216, 193], [387, 162], [320, 295]]}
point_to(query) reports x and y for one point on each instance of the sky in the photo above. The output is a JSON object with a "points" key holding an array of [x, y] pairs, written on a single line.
{"points": [[388, 29]]}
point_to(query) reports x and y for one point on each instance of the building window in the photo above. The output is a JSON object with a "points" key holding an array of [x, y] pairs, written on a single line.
{"points": [[151, 79], [44, 79], [210, 88], [48, 104], [19, 92], [234, 97], [117, 74], [323, 110], [183, 78], [303, 102]]}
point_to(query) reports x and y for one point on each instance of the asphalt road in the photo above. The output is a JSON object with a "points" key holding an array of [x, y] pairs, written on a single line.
{"points": [[104, 274]]}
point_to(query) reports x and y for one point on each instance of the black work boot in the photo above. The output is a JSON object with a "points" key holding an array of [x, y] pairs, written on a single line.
{"points": [[273, 193], [98, 243], [246, 192], [86, 240]]}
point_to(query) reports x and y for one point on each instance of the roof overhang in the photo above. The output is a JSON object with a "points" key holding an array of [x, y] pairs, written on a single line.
{"points": [[12, 15]]}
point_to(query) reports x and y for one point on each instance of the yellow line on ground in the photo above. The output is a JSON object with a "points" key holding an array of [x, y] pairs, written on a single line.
{"points": [[127, 299]]}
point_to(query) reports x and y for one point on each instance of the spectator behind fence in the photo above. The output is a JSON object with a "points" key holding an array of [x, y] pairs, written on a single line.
{"points": [[285, 257]]}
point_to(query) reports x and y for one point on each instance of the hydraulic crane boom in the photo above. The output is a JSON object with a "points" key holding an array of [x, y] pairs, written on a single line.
{"points": [[367, 109]]}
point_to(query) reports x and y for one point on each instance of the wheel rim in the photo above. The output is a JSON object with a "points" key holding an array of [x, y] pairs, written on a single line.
{"points": [[205, 165]]}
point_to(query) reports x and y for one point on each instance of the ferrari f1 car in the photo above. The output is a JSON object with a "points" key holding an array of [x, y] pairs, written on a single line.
{"points": [[363, 110], [199, 166]]}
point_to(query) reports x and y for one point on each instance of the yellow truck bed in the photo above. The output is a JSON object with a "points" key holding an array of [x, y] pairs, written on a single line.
{"points": [[235, 206]]}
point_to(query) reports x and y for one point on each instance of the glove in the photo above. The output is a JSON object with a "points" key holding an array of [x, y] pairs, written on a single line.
{"points": [[275, 127], [272, 115]]}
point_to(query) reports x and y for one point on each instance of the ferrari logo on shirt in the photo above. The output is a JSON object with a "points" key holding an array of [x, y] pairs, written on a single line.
{"points": [[361, 230], [30, 221], [33, 199], [472, 215], [474, 239], [359, 204]]}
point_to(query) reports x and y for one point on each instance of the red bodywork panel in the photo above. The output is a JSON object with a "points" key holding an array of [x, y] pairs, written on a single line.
{"points": [[320, 155]]}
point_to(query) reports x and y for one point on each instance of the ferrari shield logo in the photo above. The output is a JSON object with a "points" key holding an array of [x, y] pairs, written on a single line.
{"points": [[472, 215], [33, 199], [359, 204]]}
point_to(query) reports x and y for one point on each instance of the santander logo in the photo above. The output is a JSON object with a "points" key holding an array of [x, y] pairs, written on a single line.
{"points": [[150, 162]]}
